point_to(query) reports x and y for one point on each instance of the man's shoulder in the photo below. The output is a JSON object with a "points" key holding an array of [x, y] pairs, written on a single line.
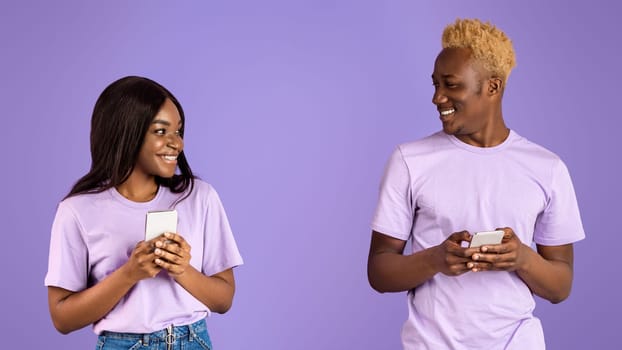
{"points": [[530, 148], [430, 143]]}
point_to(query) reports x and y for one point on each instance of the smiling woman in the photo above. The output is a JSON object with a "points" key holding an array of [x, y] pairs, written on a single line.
{"points": [[124, 117], [162, 145], [101, 271]]}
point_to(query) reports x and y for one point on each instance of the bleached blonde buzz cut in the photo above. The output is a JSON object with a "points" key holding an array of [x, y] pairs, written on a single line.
{"points": [[489, 45]]}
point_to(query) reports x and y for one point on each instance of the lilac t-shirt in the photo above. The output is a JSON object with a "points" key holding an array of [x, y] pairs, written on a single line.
{"points": [[439, 185], [94, 234]]}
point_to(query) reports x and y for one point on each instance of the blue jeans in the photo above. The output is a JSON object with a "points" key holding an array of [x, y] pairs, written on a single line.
{"points": [[190, 337]]}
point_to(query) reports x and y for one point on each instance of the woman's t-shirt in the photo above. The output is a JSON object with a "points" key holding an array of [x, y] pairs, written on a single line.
{"points": [[94, 234]]}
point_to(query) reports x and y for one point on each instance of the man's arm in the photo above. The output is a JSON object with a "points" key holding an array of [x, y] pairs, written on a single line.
{"points": [[547, 272], [388, 270]]}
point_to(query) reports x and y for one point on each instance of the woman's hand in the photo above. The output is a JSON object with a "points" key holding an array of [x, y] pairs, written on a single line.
{"points": [[508, 256], [141, 263], [172, 254]]}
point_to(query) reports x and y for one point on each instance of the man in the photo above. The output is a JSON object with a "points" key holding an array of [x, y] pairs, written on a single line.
{"points": [[475, 175]]}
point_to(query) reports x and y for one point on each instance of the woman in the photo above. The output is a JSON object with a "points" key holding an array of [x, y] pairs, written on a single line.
{"points": [[137, 293]]}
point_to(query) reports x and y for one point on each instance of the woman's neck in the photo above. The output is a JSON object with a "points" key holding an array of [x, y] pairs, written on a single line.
{"points": [[138, 190]]}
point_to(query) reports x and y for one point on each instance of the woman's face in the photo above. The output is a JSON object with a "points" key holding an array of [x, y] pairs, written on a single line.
{"points": [[162, 144]]}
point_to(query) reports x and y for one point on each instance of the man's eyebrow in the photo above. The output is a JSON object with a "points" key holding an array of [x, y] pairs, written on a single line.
{"points": [[446, 76]]}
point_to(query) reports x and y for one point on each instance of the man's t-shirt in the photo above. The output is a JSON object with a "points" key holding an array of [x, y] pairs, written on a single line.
{"points": [[439, 185]]}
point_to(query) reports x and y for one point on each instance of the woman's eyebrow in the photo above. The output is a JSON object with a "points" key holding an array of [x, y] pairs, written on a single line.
{"points": [[161, 121], [165, 122]]}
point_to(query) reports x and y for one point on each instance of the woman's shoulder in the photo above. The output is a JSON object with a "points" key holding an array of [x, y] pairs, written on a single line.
{"points": [[84, 205], [203, 187], [82, 200], [201, 190]]}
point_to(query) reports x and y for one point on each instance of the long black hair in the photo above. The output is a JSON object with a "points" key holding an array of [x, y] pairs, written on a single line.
{"points": [[121, 118]]}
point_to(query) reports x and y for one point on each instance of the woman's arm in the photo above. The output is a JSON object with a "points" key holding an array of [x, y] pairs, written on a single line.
{"points": [[215, 291], [71, 311]]}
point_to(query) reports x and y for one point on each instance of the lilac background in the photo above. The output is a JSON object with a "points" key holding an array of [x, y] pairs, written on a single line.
{"points": [[293, 108]]}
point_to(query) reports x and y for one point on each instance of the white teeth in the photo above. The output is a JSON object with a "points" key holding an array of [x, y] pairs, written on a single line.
{"points": [[448, 112], [171, 158]]}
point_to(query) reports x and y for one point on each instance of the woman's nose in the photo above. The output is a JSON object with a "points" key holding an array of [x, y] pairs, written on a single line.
{"points": [[174, 141]]}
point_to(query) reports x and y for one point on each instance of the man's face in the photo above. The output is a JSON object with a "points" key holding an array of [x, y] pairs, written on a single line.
{"points": [[460, 92]]}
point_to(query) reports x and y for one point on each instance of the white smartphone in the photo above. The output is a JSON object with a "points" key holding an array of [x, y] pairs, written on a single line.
{"points": [[486, 237], [159, 222]]}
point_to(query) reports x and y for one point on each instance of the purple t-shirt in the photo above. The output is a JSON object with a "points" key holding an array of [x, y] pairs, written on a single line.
{"points": [[94, 234], [439, 185]]}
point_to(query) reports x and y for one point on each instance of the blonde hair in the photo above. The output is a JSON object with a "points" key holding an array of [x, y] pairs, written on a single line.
{"points": [[489, 45]]}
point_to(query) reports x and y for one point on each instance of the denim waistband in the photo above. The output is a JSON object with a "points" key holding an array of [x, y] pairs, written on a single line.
{"points": [[168, 335]]}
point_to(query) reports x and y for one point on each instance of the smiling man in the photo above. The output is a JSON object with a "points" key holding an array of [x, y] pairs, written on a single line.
{"points": [[476, 175]]}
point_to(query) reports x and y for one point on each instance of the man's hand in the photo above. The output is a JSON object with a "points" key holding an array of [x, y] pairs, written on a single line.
{"points": [[451, 258], [507, 256]]}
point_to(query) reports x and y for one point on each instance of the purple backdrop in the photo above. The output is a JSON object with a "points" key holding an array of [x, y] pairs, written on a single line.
{"points": [[292, 110]]}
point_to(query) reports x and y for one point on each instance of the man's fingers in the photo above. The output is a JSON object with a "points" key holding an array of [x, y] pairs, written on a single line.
{"points": [[458, 237], [496, 249], [479, 266], [494, 258]]}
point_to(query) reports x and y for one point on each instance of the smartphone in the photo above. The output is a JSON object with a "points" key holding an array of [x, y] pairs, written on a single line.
{"points": [[486, 237], [159, 222]]}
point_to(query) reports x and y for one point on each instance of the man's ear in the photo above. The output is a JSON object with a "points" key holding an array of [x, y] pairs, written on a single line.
{"points": [[495, 86]]}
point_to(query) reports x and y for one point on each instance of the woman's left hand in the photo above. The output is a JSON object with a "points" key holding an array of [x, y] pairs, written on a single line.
{"points": [[507, 256], [173, 254]]}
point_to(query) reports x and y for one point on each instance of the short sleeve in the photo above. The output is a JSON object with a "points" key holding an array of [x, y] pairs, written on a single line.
{"points": [[394, 212], [68, 257], [560, 222], [220, 251]]}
